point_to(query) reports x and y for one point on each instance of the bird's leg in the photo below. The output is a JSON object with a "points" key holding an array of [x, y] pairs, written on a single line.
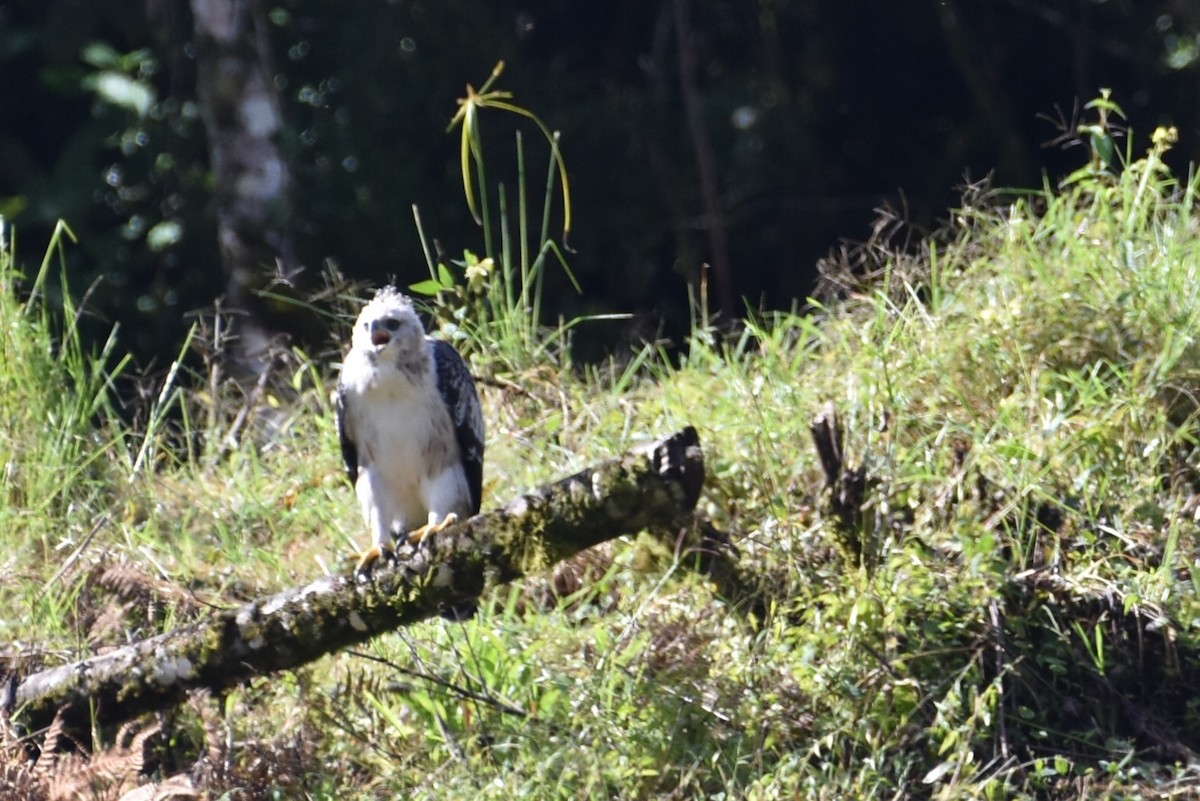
{"points": [[432, 527], [368, 558], [381, 550]]}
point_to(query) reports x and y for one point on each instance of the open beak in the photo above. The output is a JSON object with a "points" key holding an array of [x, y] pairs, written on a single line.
{"points": [[380, 336]]}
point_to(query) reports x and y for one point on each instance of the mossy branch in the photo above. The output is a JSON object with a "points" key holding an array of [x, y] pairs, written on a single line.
{"points": [[650, 488]]}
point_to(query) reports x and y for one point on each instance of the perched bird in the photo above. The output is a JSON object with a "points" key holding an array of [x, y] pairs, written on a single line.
{"points": [[410, 424]]}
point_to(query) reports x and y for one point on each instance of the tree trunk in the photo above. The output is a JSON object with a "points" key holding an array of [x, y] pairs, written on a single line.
{"points": [[243, 119], [715, 223], [653, 488]]}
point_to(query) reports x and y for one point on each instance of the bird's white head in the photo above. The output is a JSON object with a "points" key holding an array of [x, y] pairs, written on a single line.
{"points": [[389, 324]]}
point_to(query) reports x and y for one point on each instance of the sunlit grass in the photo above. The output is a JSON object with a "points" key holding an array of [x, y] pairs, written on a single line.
{"points": [[1021, 389]]}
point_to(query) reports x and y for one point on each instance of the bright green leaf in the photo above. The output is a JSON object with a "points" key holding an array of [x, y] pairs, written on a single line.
{"points": [[429, 287], [100, 55], [121, 90], [163, 235]]}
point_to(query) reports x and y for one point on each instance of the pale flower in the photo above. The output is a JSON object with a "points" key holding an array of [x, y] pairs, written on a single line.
{"points": [[477, 272]]}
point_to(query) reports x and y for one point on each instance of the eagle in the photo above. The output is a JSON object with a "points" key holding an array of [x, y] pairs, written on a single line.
{"points": [[410, 425]]}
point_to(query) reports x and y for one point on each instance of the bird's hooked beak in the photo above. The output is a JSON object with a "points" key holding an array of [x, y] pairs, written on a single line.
{"points": [[380, 336]]}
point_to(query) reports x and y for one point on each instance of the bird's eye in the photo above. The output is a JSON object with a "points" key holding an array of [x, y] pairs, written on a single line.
{"points": [[392, 324]]}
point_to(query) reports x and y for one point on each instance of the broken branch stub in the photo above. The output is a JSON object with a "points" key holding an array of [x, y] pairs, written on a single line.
{"points": [[846, 486], [650, 488]]}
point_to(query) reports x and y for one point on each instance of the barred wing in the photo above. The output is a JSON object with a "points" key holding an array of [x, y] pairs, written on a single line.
{"points": [[457, 388]]}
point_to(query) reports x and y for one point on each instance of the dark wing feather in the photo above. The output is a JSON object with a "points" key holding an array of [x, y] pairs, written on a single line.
{"points": [[349, 451], [457, 388]]}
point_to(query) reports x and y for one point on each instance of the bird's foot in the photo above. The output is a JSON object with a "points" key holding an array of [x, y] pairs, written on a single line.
{"points": [[368, 558], [417, 537]]}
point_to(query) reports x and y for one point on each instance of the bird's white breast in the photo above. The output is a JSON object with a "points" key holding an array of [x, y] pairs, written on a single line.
{"points": [[405, 441]]}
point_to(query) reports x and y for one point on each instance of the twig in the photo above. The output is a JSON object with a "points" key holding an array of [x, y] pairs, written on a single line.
{"points": [[461, 692]]}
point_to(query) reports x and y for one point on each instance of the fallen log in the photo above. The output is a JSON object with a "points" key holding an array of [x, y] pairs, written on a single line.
{"points": [[650, 488]]}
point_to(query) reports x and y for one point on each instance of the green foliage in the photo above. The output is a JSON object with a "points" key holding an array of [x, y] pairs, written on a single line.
{"points": [[471, 150], [1021, 391], [57, 409], [494, 303]]}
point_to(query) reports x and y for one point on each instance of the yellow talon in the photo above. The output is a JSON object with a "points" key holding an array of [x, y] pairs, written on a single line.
{"points": [[368, 558], [429, 528]]}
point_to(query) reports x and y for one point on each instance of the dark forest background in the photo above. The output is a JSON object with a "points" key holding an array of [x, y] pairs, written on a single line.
{"points": [[812, 114]]}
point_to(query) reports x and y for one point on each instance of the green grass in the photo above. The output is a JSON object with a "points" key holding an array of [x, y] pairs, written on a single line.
{"points": [[1016, 618]]}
